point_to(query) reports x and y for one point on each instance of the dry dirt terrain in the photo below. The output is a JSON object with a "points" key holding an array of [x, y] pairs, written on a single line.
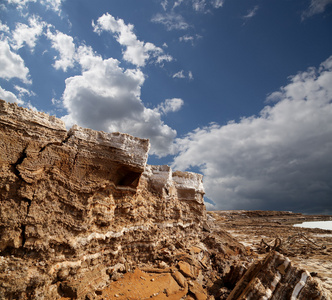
{"points": [[309, 248]]}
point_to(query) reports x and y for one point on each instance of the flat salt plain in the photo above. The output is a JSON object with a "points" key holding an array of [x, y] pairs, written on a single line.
{"points": [[327, 225]]}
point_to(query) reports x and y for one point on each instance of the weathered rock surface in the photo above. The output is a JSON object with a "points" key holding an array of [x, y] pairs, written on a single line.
{"points": [[276, 277], [83, 216], [73, 204], [261, 231]]}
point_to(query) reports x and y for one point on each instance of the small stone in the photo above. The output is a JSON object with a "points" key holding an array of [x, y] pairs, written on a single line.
{"points": [[179, 278], [184, 268], [116, 276]]}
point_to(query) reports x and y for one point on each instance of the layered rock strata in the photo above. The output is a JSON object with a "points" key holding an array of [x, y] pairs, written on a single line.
{"points": [[276, 278], [74, 204], [83, 216]]}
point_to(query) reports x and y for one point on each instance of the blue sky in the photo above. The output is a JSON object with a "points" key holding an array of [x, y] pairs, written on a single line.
{"points": [[239, 91]]}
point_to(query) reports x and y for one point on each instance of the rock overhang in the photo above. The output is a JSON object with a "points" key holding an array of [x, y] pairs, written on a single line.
{"points": [[77, 196]]}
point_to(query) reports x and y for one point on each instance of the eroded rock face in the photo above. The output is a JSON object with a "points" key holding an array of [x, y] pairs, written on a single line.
{"points": [[276, 278], [75, 203]]}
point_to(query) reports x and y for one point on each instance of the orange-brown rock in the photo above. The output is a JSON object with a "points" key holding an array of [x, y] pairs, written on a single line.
{"points": [[74, 204], [141, 285]]}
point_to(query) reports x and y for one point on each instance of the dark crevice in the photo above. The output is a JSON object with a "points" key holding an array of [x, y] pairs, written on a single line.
{"points": [[56, 143], [75, 158], [23, 235], [130, 179], [66, 138], [29, 204], [18, 162], [127, 177]]}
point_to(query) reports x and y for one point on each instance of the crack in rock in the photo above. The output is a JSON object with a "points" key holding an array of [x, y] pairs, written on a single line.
{"points": [[18, 162]]}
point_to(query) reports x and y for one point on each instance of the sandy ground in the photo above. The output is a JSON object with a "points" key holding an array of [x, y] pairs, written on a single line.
{"points": [[141, 285]]}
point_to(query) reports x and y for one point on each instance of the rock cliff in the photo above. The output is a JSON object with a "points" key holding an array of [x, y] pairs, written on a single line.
{"points": [[81, 211], [74, 204]]}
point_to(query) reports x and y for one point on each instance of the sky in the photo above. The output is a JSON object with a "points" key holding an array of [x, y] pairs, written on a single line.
{"points": [[237, 90]]}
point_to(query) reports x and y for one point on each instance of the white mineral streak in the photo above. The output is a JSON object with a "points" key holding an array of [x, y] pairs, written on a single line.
{"points": [[110, 234], [175, 224], [276, 279], [159, 176], [188, 180], [300, 285], [268, 294], [65, 264], [78, 263], [135, 148], [184, 185], [274, 283], [286, 262], [82, 241]]}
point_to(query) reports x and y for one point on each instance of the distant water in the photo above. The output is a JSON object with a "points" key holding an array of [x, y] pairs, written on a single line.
{"points": [[318, 224]]}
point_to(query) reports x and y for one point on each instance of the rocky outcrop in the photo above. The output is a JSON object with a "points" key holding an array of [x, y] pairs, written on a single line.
{"points": [[83, 216], [276, 278], [74, 204]]}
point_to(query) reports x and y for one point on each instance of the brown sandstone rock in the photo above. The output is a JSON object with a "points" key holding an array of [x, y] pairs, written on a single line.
{"points": [[179, 279], [185, 269], [74, 203]]}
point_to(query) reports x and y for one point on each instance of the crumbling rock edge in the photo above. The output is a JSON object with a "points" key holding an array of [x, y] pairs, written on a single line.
{"points": [[82, 213]]}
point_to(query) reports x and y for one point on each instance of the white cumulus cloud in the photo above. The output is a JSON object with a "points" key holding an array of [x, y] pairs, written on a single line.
{"points": [[54, 5], [170, 105], [278, 160], [9, 96], [20, 3], [107, 97], [11, 64], [4, 27], [64, 44], [136, 51], [27, 34]]}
